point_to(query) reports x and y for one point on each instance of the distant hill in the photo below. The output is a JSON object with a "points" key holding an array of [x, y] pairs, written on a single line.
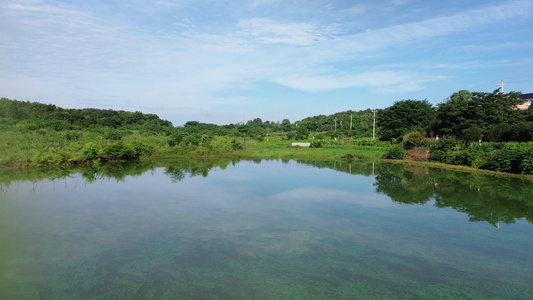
{"points": [[34, 111]]}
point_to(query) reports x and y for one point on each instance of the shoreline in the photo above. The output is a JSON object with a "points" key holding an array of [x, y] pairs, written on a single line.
{"points": [[327, 154]]}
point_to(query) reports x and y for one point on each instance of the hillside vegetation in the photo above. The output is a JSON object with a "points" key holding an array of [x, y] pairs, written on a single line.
{"points": [[481, 130]]}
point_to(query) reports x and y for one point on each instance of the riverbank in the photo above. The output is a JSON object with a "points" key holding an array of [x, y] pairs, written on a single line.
{"points": [[428, 164], [30, 151]]}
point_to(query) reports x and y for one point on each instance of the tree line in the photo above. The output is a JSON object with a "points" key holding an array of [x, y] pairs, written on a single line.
{"points": [[43, 133], [467, 116], [480, 130], [37, 115]]}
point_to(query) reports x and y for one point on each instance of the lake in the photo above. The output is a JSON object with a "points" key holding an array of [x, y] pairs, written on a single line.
{"points": [[264, 229]]}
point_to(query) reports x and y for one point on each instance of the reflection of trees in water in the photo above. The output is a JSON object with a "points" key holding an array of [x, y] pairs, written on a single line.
{"points": [[354, 167], [178, 170], [489, 198], [404, 186], [116, 171], [483, 197]]}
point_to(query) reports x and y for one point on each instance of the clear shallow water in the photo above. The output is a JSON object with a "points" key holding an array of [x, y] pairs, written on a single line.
{"points": [[266, 230]]}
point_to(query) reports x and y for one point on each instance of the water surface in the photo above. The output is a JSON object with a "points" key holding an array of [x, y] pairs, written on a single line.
{"points": [[265, 230]]}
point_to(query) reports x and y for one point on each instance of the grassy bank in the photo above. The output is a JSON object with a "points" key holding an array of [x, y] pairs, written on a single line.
{"points": [[331, 150], [429, 164], [20, 147]]}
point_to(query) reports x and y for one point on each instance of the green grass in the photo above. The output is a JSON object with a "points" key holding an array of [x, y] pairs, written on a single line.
{"points": [[20, 147], [332, 150]]}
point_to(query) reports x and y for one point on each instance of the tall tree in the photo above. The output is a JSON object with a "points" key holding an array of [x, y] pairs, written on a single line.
{"points": [[403, 117], [465, 110], [452, 115]]}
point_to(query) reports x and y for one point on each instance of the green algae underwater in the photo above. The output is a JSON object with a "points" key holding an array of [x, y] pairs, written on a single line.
{"points": [[264, 229]]}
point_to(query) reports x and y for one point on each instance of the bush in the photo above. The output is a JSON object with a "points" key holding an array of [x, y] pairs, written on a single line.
{"points": [[445, 143], [119, 151], [192, 140], [413, 139], [373, 143], [90, 152], [505, 160], [175, 138], [472, 134], [395, 152], [500, 133], [112, 134], [141, 149], [522, 131], [527, 163], [236, 145], [437, 156], [316, 144], [301, 133], [457, 158]]}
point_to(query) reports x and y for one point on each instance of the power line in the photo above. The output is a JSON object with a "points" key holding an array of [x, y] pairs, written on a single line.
{"points": [[525, 76], [519, 81], [486, 85]]}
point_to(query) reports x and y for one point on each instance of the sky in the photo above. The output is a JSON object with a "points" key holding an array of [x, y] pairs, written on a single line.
{"points": [[224, 62]]}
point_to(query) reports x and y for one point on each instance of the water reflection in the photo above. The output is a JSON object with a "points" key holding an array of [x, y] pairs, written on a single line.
{"points": [[489, 198], [262, 230]]}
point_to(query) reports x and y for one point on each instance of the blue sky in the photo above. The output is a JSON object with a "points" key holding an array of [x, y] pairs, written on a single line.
{"points": [[222, 61]]}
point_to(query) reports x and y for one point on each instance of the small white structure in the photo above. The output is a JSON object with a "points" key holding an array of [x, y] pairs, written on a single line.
{"points": [[301, 144]]}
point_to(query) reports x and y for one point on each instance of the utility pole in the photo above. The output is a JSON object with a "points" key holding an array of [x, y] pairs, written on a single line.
{"points": [[335, 124], [502, 87], [374, 127], [351, 121]]}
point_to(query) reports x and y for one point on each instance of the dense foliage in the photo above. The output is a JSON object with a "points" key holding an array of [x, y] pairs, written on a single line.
{"points": [[405, 116], [41, 134], [36, 115], [469, 115]]}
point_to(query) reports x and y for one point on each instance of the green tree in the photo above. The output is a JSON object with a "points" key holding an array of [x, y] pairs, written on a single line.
{"points": [[482, 110], [452, 115], [404, 116], [301, 133], [413, 139], [286, 125], [472, 134]]}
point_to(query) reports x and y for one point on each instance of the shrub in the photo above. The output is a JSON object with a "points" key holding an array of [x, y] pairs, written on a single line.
{"points": [[175, 138], [395, 152], [90, 152], [522, 131], [445, 143], [71, 135], [192, 140], [413, 139], [500, 133], [372, 143], [457, 158], [476, 156], [527, 162], [472, 134], [505, 160], [437, 156], [316, 144], [141, 149], [112, 134], [120, 151], [236, 145]]}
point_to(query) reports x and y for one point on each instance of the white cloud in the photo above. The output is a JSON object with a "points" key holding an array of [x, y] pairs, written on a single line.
{"points": [[387, 80], [182, 62], [272, 32]]}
